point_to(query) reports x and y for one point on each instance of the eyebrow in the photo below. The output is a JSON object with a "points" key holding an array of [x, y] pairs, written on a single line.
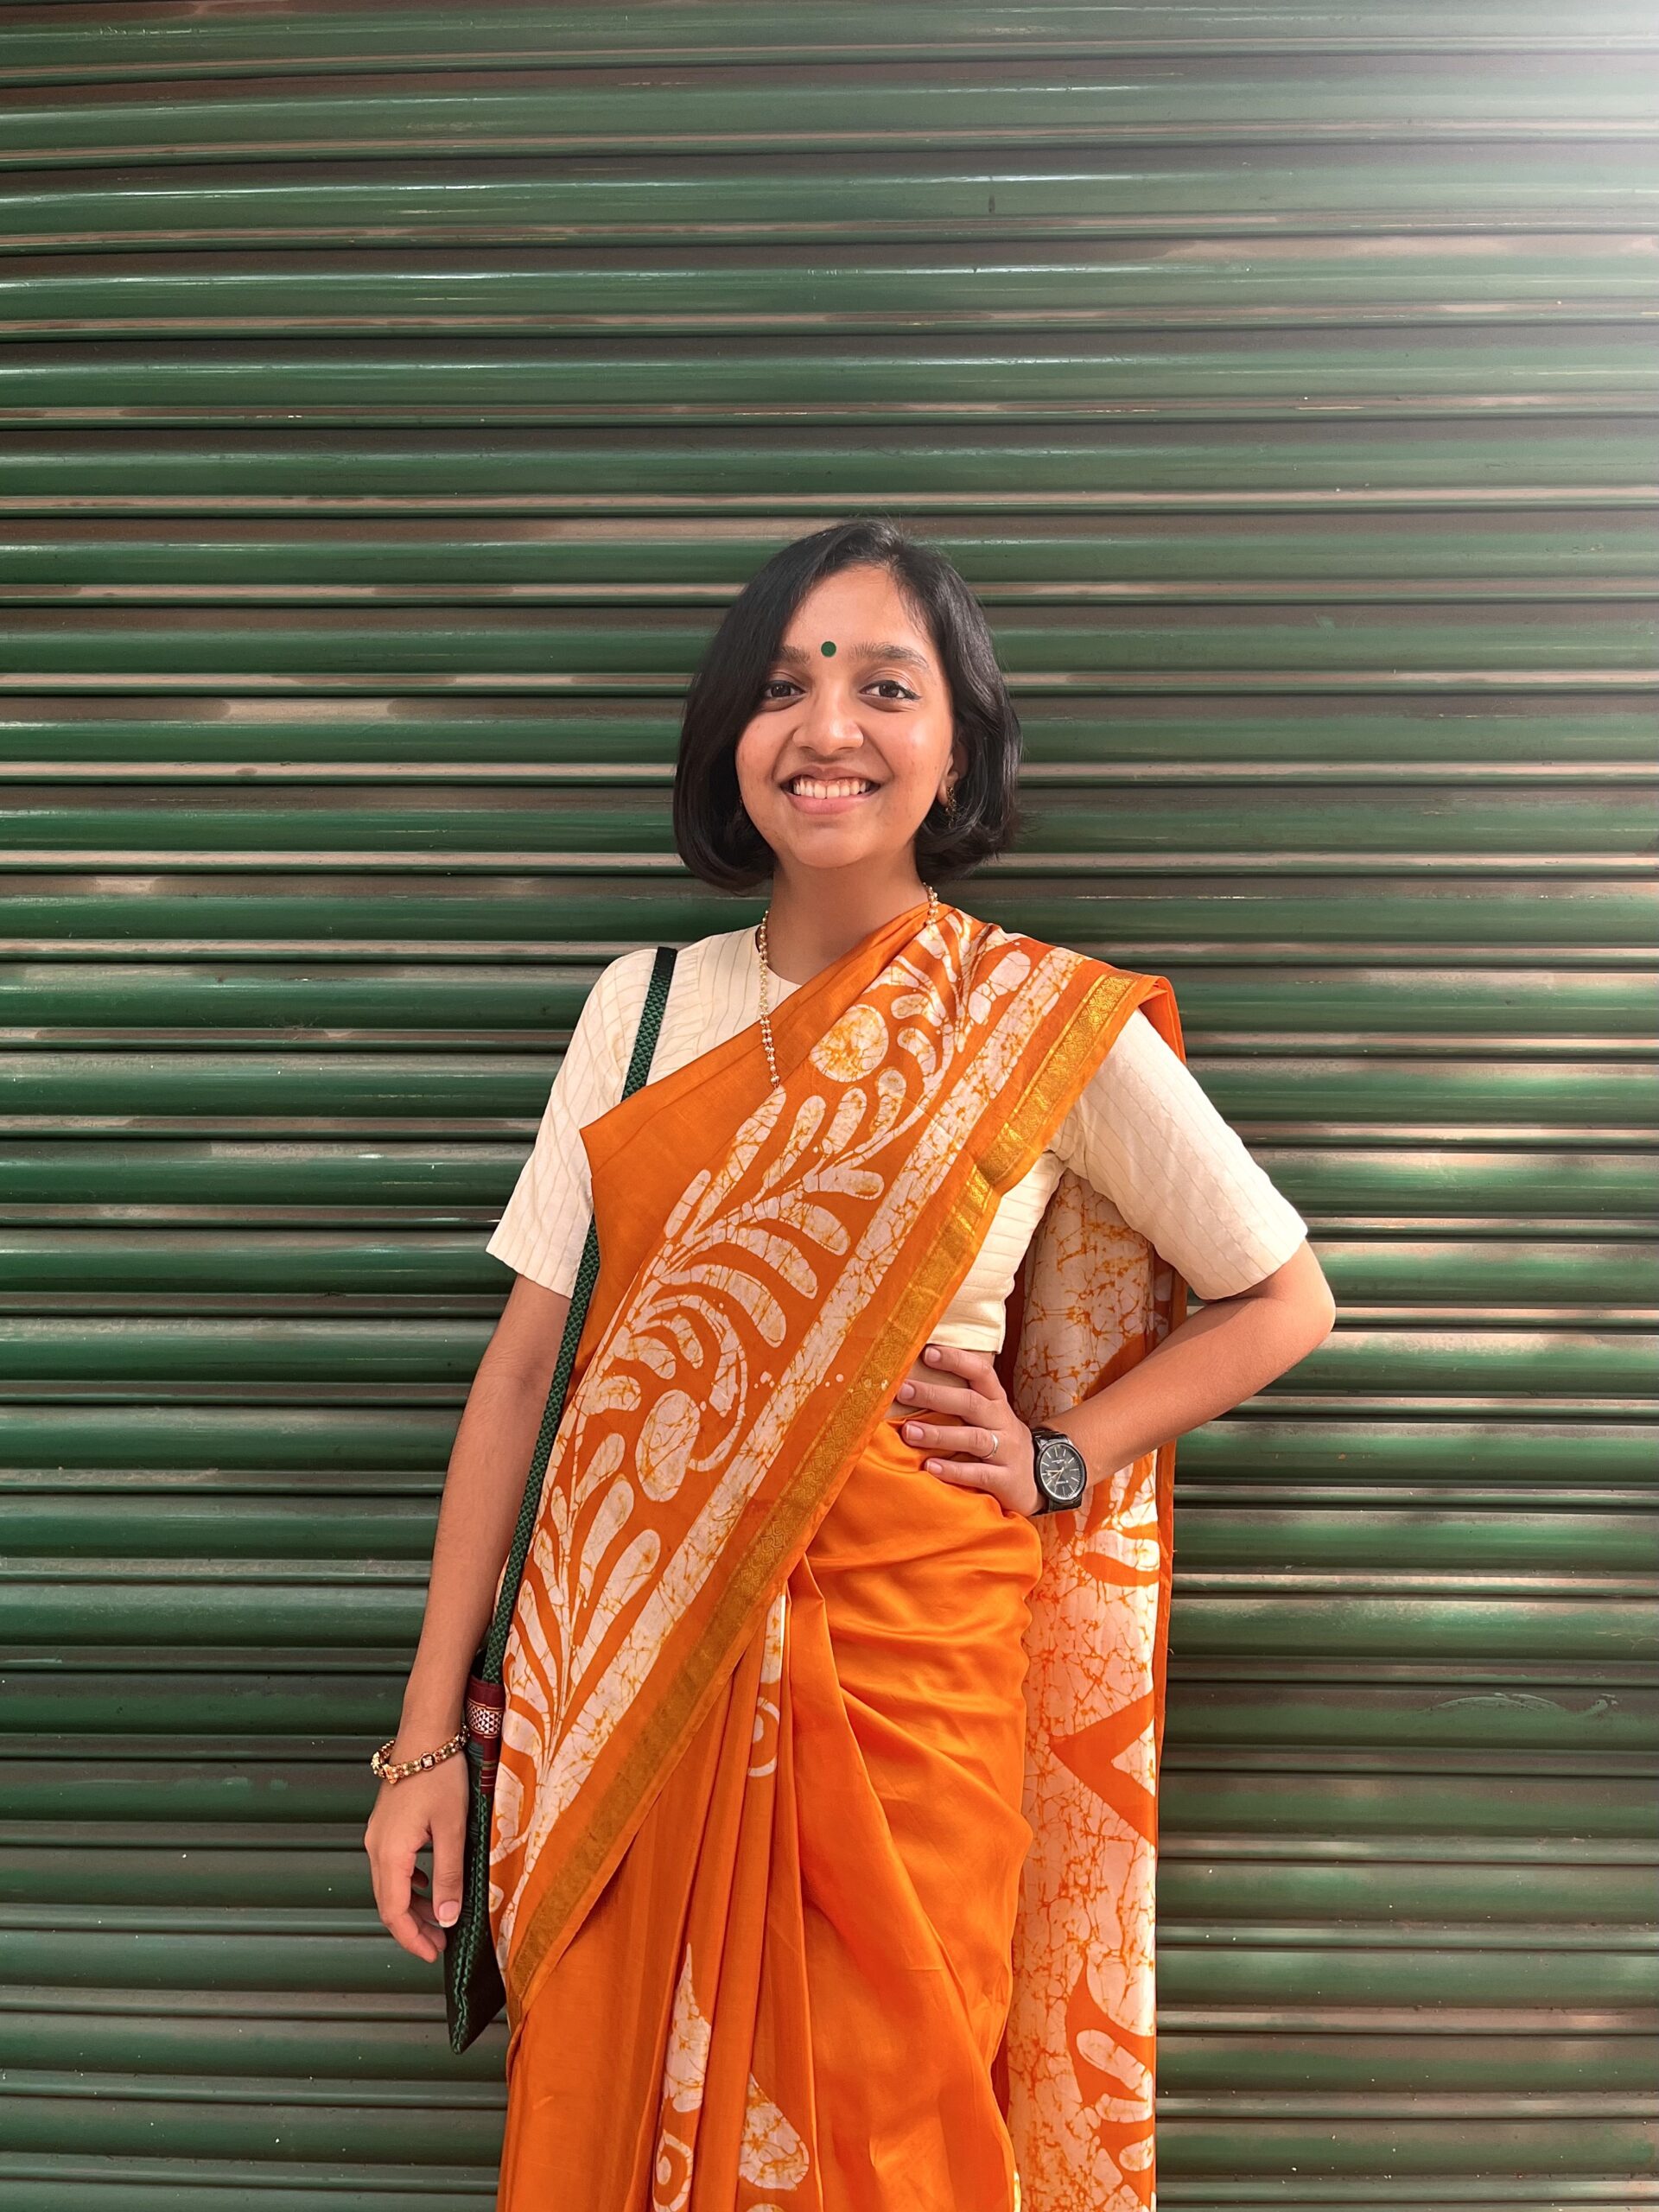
{"points": [[797, 654]]}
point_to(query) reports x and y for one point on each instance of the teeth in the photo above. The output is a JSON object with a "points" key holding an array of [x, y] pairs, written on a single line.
{"points": [[842, 789]]}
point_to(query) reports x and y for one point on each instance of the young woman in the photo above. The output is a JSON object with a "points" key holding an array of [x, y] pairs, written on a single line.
{"points": [[823, 1831]]}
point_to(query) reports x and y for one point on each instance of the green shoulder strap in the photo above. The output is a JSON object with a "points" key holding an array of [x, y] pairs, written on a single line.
{"points": [[645, 1044]]}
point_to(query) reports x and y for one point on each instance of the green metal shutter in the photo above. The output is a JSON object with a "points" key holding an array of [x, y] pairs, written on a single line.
{"points": [[392, 398]]}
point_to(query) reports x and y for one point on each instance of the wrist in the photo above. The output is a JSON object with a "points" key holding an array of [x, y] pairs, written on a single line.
{"points": [[1059, 1469], [429, 1711], [411, 1745]]}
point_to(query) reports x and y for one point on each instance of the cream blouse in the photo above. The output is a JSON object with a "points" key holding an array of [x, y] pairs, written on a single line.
{"points": [[1142, 1131]]}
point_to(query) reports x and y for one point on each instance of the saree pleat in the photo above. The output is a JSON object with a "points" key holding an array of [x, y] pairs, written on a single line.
{"points": [[909, 1722], [793, 1986], [624, 2073], [822, 1838]]}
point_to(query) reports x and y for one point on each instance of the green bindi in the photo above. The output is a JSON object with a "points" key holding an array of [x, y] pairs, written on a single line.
{"points": [[827, 647]]}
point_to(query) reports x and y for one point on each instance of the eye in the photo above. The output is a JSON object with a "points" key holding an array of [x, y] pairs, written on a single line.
{"points": [[904, 689], [768, 690]]}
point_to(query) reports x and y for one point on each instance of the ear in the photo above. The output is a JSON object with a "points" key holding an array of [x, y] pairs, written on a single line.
{"points": [[955, 768]]}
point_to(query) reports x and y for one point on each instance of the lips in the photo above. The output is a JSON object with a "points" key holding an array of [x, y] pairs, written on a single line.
{"points": [[826, 806]]}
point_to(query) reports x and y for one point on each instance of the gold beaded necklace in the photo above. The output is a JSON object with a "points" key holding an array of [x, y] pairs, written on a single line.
{"points": [[765, 973]]}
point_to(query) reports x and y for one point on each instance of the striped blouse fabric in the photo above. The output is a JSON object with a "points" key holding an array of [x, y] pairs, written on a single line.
{"points": [[1143, 1132]]}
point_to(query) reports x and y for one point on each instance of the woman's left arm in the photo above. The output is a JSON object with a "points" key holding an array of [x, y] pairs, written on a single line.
{"points": [[1147, 1135], [1209, 1363], [1146, 1132]]}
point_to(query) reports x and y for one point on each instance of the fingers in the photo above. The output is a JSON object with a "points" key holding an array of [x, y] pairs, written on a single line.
{"points": [[969, 1474], [979, 1467], [391, 1863], [988, 1445], [449, 1852], [403, 1923], [953, 1396], [985, 1474], [977, 1366], [420, 1906], [939, 1436], [995, 1480]]}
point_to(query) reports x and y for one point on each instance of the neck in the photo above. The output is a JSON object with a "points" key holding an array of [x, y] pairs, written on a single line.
{"points": [[810, 924]]}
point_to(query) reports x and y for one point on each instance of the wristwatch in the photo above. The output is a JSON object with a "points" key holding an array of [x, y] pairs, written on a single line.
{"points": [[1061, 1470]]}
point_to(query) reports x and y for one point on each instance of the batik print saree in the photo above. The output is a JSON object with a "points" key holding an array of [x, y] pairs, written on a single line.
{"points": [[822, 1856]]}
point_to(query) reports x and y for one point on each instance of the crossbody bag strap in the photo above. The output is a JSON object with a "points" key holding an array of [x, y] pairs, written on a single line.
{"points": [[645, 1044]]}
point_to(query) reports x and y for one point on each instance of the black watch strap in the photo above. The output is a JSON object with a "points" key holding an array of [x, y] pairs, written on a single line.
{"points": [[1049, 1500]]}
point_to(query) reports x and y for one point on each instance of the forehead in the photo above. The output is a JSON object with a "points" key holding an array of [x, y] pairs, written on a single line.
{"points": [[858, 615]]}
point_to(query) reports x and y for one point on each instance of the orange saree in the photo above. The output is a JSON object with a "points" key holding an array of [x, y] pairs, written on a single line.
{"points": [[822, 1860]]}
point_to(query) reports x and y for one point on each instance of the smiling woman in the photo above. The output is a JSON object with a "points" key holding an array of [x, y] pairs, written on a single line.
{"points": [[821, 1854]]}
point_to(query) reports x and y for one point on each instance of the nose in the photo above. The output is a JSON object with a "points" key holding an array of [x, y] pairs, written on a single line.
{"points": [[829, 724]]}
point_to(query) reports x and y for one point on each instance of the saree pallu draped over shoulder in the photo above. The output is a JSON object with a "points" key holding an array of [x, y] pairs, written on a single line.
{"points": [[823, 1852]]}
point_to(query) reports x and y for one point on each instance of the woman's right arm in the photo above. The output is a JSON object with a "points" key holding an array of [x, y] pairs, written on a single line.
{"points": [[482, 1492], [541, 1234]]}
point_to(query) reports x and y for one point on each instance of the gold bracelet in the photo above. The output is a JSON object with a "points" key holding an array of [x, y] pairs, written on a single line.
{"points": [[400, 1769]]}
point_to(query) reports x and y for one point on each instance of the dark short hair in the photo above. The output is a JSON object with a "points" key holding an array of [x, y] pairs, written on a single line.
{"points": [[715, 837]]}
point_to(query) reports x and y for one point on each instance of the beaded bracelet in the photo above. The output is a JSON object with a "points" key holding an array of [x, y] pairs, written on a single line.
{"points": [[400, 1769]]}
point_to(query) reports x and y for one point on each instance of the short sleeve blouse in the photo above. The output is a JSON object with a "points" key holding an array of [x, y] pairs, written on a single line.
{"points": [[1143, 1131]]}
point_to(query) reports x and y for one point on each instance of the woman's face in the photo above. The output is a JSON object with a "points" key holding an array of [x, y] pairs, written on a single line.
{"points": [[870, 723]]}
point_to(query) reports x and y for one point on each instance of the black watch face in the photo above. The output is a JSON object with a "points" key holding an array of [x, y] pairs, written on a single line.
{"points": [[1060, 1469]]}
